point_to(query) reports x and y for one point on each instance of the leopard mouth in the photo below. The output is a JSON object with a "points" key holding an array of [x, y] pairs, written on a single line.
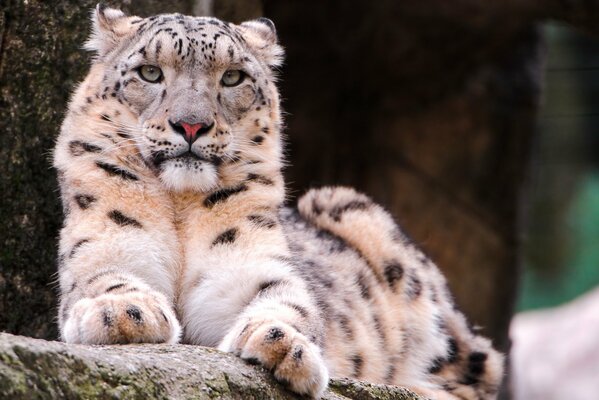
{"points": [[186, 157]]}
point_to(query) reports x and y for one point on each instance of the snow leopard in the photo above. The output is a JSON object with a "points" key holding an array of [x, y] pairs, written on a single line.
{"points": [[176, 227]]}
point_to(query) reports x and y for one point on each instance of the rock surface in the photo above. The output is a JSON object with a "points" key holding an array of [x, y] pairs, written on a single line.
{"points": [[34, 368]]}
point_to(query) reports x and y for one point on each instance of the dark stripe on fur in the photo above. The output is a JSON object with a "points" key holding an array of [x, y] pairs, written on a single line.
{"points": [[260, 179], [264, 286], [300, 309], [358, 362], [222, 195], [101, 274], [116, 171], [345, 327], [226, 237], [77, 148], [77, 246], [414, 287], [114, 287], [262, 221], [452, 350], [390, 375], [337, 212], [122, 220], [363, 285]]}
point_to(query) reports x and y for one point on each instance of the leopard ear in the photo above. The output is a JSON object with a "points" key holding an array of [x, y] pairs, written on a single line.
{"points": [[109, 27], [261, 35]]}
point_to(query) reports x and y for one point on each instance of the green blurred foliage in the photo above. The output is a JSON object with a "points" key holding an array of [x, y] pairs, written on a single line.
{"points": [[561, 251]]}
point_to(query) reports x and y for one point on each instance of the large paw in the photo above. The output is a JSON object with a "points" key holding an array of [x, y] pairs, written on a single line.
{"points": [[279, 347], [131, 317]]}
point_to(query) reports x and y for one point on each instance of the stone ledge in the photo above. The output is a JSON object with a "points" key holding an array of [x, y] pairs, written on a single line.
{"points": [[34, 368]]}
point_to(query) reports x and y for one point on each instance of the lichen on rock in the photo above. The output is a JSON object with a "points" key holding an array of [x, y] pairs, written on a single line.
{"points": [[33, 368]]}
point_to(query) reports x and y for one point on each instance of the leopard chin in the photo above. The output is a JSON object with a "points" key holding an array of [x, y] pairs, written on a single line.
{"points": [[188, 174]]}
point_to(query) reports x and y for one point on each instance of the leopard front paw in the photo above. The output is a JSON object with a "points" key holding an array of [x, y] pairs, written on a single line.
{"points": [[131, 317], [294, 360]]}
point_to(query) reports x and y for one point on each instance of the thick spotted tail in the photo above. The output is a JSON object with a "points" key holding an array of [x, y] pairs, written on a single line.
{"points": [[457, 362]]}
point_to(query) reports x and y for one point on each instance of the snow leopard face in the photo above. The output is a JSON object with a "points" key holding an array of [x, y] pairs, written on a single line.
{"points": [[198, 92]]}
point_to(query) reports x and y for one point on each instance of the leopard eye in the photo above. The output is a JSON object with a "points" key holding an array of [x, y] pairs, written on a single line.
{"points": [[232, 77], [150, 73]]}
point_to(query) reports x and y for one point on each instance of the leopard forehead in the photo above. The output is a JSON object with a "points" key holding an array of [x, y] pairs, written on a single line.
{"points": [[184, 42]]}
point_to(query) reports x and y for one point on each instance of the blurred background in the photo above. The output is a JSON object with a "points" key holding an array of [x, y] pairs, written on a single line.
{"points": [[473, 122], [561, 247]]}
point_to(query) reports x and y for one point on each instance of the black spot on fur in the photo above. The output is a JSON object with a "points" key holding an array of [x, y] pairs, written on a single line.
{"points": [[122, 220], [116, 171], [358, 362], [77, 148], [105, 117], [260, 179], [222, 195], [135, 314], [84, 201], [257, 139], [298, 353], [274, 334], [393, 273], [476, 363], [107, 318], [337, 212], [226, 237], [436, 365], [115, 287], [262, 221], [77, 246], [252, 361]]}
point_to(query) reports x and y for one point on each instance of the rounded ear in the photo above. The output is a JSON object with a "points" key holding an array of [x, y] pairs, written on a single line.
{"points": [[109, 27], [261, 35]]}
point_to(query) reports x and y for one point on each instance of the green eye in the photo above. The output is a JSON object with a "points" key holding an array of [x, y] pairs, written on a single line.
{"points": [[232, 77], [150, 73]]}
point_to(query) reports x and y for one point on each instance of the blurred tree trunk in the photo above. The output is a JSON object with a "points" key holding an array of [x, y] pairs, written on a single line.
{"points": [[40, 62]]}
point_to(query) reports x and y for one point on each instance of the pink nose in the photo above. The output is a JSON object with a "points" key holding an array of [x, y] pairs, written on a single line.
{"points": [[191, 130]]}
